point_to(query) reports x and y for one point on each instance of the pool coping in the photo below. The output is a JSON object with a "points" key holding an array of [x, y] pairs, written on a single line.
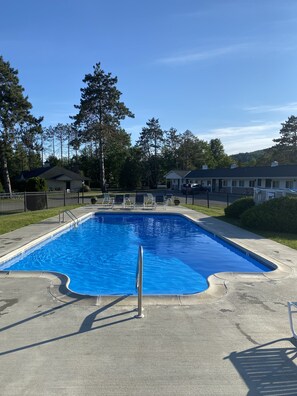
{"points": [[266, 251]]}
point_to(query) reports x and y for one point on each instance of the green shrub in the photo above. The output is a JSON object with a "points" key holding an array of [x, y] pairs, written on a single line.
{"points": [[238, 207], [277, 215], [35, 184]]}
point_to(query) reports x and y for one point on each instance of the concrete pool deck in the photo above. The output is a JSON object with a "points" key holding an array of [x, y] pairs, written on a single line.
{"points": [[235, 341]]}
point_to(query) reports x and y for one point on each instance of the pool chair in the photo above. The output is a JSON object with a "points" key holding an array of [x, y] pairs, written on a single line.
{"points": [[107, 200], [149, 201], [160, 200], [139, 200], [292, 307], [129, 202], [119, 200]]}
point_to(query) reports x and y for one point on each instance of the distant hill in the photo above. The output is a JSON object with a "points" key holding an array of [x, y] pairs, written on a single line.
{"points": [[252, 157]]}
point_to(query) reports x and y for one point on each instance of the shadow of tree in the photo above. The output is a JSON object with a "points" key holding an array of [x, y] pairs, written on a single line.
{"points": [[268, 369]]}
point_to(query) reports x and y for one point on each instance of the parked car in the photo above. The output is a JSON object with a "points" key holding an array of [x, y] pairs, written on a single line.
{"points": [[194, 188], [187, 188], [200, 188]]}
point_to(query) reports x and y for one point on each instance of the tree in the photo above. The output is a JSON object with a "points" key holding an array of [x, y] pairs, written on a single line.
{"points": [[170, 150], [193, 152], [100, 112], [287, 143], [16, 121], [221, 159], [150, 142], [132, 169]]}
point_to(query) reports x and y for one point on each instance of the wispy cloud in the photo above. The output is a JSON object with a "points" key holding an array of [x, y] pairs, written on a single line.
{"points": [[244, 138], [201, 55], [285, 108]]}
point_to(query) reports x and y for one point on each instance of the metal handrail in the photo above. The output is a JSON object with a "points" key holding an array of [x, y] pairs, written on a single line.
{"points": [[70, 215], [139, 282]]}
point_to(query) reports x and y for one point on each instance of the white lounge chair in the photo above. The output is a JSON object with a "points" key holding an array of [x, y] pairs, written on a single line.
{"points": [[107, 200], [139, 200], [149, 201], [129, 202], [292, 307], [119, 200], [161, 200]]}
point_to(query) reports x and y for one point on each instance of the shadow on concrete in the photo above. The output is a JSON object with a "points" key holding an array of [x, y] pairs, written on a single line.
{"points": [[88, 324], [268, 369]]}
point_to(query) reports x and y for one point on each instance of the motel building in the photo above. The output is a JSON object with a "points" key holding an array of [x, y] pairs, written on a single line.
{"points": [[268, 181]]}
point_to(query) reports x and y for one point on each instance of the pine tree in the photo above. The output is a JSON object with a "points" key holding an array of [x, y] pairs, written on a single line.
{"points": [[16, 121], [100, 112], [287, 143]]}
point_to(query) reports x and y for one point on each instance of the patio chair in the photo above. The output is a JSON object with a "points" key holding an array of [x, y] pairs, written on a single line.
{"points": [[129, 202], [119, 200], [292, 307], [139, 200], [107, 200], [160, 200], [149, 201]]}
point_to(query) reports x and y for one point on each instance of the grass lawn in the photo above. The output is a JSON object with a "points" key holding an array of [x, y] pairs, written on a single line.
{"points": [[218, 212], [14, 221]]}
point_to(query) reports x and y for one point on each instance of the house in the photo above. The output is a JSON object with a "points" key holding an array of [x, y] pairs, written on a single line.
{"points": [[244, 180], [175, 179], [57, 178]]}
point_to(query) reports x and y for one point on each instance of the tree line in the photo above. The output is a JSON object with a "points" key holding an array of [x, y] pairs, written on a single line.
{"points": [[95, 143]]}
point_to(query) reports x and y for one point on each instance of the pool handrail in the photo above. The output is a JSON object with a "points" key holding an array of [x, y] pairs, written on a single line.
{"points": [[139, 282], [70, 214]]}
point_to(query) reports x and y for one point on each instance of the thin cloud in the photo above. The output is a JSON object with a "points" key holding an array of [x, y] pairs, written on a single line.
{"points": [[286, 108], [201, 55], [245, 138]]}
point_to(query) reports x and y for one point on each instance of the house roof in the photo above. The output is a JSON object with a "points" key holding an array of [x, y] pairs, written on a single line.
{"points": [[249, 172], [181, 173], [53, 173]]}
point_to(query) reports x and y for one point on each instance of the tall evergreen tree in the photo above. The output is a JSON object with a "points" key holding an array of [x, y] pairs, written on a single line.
{"points": [[15, 117], [150, 142], [100, 112], [287, 143]]}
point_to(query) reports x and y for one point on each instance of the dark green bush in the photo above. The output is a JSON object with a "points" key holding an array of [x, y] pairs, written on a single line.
{"points": [[277, 215], [239, 206]]}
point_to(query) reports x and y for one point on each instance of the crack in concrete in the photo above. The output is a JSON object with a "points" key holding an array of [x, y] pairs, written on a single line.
{"points": [[248, 337]]}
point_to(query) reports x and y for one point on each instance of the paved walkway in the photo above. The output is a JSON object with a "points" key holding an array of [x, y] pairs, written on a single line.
{"points": [[234, 340]]}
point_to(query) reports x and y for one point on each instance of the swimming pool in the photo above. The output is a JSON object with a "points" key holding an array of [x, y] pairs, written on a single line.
{"points": [[100, 255]]}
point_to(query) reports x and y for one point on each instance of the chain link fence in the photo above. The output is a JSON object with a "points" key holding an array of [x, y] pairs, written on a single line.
{"points": [[21, 202]]}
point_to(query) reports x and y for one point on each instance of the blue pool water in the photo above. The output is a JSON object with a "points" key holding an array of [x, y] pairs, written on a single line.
{"points": [[100, 255]]}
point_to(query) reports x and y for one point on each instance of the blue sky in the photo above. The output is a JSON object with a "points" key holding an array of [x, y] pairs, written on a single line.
{"points": [[222, 69]]}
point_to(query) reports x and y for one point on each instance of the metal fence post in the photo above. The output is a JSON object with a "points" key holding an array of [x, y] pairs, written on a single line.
{"points": [[207, 196]]}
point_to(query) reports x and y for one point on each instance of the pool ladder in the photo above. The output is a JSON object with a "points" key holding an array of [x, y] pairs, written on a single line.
{"points": [[139, 281], [70, 214]]}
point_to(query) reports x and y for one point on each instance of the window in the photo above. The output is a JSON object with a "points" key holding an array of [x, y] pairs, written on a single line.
{"points": [[241, 183], [268, 183], [234, 183], [252, 183], [224, 183], [259, 182], [289, 183], [275, 184]]}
